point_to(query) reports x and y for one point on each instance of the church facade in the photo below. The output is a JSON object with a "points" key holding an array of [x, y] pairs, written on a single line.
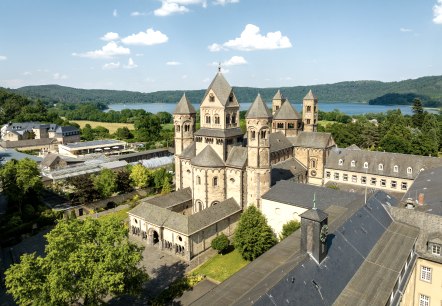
{"points": [[220, 170]]}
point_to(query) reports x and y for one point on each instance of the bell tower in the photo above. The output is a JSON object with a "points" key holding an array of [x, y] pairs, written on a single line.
{"points": [[314, 232], [184, 119], [259, 122], [310, 112], [277, 102]]}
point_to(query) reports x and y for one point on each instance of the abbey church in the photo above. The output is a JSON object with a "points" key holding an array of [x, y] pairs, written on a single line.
{"points": [[220, 170]]}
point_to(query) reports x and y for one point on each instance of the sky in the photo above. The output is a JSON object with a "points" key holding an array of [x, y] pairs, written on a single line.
{"points": [[151, 45]]}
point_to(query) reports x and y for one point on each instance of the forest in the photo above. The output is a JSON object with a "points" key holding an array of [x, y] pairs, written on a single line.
{"points": [[426, 88]]}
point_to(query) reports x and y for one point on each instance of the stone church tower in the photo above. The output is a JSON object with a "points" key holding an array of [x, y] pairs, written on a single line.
{"points": [[259, 122], [310, 112], [277, 102]]}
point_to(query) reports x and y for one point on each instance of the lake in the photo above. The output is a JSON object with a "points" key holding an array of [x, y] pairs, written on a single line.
{"points": [[346, 108]]}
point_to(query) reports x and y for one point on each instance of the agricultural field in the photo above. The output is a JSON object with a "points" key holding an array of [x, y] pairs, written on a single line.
{"points": [[112, 127]]}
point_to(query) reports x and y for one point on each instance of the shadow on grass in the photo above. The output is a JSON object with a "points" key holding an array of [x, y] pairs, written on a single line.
{"points": [[164, 276], [228, 250]]}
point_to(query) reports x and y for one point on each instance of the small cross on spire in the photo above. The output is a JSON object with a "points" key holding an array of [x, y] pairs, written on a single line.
{"points": [[219, 67]]}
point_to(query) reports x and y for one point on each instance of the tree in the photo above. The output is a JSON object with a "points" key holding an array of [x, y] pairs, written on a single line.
{"points": [[418, 113], [20, 181], [124, 183], [220, 243], [85, 191], [289, 228], [166, 186], [105, 183], [84, 261], [253, 236], [140, 176], [123, 133]]}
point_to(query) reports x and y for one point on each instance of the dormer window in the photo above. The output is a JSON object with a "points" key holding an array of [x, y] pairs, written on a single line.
{"points": [[211, 98], [409, 170], [381, 167], [436, 249], [341, 162], [231, 98], [353, 163], [395, 168], [365, 165]]}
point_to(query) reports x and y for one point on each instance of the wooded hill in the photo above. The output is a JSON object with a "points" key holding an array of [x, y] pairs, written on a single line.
{"points": [[428, 88]]}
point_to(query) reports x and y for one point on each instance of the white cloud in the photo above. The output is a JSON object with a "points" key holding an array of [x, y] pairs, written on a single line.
{"points": [[115, 13], [3, 58], [173, 63], [148, 38], [136, 14], [224, 2], [130, 64], [139, 54], [27, 73], [110, 36], [111, 66], [437, 12], [251, 39], [169, 8], [108, 51], [235, 60], [216, 47], [405, 30], [59, 76]]}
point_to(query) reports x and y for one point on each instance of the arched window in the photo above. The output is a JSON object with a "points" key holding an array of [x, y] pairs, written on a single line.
{"points": [[366, 165], [353, 163], [233, 119], [409, 170], [215, 181], [280, 125], [381, 167], [208, 119], [187, 127], [396, 168], [341, 162], [228, 119], [216, 119], [231, 98], [263, 134], [309, 108], [211, 98], [198, 180], [252, 135], [313, 163], [177, 128]]}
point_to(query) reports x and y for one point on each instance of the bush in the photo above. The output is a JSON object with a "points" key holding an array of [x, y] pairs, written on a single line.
{"points": [[289, 228], [220, 243]]}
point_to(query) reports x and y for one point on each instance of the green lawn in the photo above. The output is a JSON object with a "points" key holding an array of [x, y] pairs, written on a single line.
{"points": [[221, 267], [120, 215]]}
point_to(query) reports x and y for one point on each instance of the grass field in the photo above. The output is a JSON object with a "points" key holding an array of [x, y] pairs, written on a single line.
{"points": [[221, 267], [112, 127]]}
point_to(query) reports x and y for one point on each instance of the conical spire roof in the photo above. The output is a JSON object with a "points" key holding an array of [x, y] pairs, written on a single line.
{"points": [[207, 158], [278, 96], [184, 106], [310, 96], [258, 109], [220, 87], [286, 112]]}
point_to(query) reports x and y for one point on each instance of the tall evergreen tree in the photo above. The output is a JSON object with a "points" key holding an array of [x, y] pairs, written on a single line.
{"points": [[418, 113], [253, 236]]}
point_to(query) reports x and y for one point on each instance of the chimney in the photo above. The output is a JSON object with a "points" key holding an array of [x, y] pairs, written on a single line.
{"points": [[314, 232], [421, 199]]}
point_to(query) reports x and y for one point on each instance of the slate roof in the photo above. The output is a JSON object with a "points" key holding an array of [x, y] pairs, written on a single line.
{"points": [[66, 129], [301, 195], [27, 143], [8, 154], [374, 158], [318, 140], [278, 96], [258, 109], [310, 96], [50, 160], [184, 106], [171, 199], [220, 87], [189, 152], [428, 182], [286, 112], [220, 133], [278, 142], [286, 170], [353, 147], [186, 225], [208, 158], [237, 157]]}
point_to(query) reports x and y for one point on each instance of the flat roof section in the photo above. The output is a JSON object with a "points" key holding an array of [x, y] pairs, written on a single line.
{"points": [[93, 144]]}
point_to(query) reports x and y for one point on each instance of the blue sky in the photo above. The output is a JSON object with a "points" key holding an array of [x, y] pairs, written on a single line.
{"points": [[150, 45]]}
